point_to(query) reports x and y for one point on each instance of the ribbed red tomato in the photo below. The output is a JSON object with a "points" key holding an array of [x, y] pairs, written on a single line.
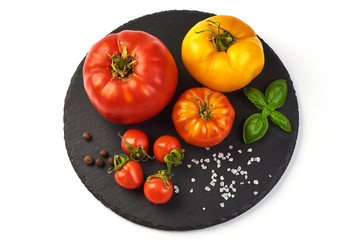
{"points": [[203, 117], [129, 76]]}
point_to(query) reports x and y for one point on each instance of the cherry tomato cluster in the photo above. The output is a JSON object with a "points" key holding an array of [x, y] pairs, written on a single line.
{"points": [[158, 187]]}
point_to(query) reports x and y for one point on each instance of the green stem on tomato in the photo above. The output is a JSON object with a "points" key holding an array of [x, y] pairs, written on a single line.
{"points": [[173, 158], [138, 153], [119, 161], [221, 40], [122, 65], [204, 107], [163, 175]]}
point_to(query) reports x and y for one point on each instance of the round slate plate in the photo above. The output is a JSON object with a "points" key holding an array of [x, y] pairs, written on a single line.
{"points": [[248, 172]]}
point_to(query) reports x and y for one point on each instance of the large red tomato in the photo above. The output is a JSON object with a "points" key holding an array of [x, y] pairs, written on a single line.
{"points": [[129, 76], [203, 117]]}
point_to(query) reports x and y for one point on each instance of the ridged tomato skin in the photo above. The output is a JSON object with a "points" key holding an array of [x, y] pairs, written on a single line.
{"points": [[144, 92], [197, 130], [223, 70]]}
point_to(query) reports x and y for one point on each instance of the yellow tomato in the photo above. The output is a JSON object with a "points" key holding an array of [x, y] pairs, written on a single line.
{"points": [[222, 53]]}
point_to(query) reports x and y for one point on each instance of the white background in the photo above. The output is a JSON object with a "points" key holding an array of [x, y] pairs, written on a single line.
{"points": [[42, 43]]}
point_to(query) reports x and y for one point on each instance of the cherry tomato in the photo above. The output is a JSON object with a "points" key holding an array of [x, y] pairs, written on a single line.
{"points": [[130, 176], [129, 76], [163, 146], [203, 117], [136, 138], [157, 190], [128, 173]]}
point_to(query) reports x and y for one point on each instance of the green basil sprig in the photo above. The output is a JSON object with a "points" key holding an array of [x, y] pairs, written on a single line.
{"points": [[257, 124]]}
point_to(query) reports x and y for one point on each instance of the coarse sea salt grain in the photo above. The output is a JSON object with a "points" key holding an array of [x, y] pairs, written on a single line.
{"points": [[195, 161], [222, 204], [256, 182], [231, 146], [250, 150], [176, 189], [204, 208], [203, 166], [191, 190], [255, 192], [189, 165], [207, 188], [192, 179]]}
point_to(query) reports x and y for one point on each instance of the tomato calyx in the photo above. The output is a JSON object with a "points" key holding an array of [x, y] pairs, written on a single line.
{"points": [[223, 40], [119, 161], [138, 153], [122, 65], [173, 158], [204, 107], [163, 175]]}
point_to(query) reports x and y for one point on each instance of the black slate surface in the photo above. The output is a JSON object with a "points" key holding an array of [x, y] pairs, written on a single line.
{"points": [[186, 210]]}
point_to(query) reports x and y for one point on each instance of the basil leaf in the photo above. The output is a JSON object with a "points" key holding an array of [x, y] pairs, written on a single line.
{"points": [[256, 97], [276, 93], [255, 128], [266, 112], [281, 120]]}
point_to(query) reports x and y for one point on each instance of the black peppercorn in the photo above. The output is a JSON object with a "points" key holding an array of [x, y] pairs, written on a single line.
{"points": [[111, 161], [104, 153], [86, 136], [99, 162], [88, 160]]}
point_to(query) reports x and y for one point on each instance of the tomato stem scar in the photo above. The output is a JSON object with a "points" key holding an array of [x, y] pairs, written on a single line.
{"points": [[204, 107], [221, 40], [119, 161], [138, 153], [122, 65], [163, 175]]}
